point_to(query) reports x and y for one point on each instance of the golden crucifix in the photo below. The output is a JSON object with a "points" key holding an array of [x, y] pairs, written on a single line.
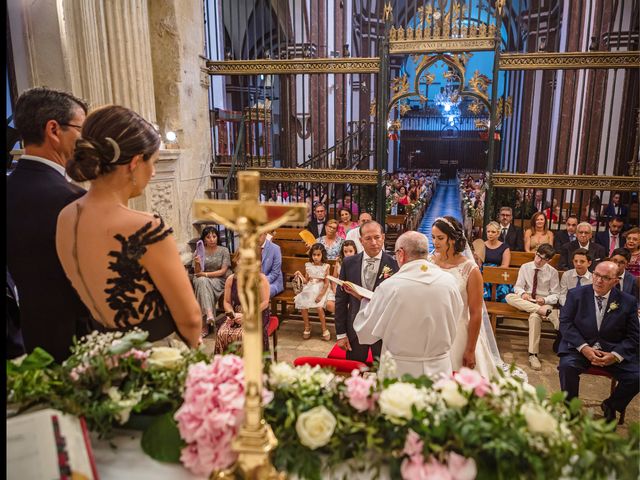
{"points": [[250, 219]]}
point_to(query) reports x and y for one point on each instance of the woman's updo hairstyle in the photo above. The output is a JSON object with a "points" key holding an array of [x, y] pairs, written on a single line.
{"points": [[452, 228], [111, 136]]}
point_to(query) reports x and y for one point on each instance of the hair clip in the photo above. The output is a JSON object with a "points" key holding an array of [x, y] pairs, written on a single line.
{"points": [[116, 149], [442, 219]]}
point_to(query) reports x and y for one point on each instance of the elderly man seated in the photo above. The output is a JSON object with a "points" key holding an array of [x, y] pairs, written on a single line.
{"points": [[599, 327]]}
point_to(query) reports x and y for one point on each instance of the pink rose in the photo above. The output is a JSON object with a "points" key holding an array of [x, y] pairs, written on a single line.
{"points": [[413, 468], [435, 470], [462, 468], [413, 445], [359, 391], [471, 380]]}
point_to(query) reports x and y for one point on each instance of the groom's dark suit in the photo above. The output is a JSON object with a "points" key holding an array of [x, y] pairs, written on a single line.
{"points": [[51, 312], [618, 333], [347, 306]]}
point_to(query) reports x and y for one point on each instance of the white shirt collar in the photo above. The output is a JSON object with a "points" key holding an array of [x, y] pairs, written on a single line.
{"points": [[580, 246], [503, 227], [606, 297], [56, 166], [377, 257]]}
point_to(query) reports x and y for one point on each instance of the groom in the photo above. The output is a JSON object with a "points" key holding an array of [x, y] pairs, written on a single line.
{"points": [[367, 269], [599, 327], [419, 339]]}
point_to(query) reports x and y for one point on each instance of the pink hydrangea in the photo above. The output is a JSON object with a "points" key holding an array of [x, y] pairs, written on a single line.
{"points": [[359, 391], [472, 380], [212, 413]]}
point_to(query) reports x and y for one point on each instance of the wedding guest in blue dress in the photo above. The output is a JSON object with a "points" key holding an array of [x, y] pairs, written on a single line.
{"points": [[497, 254]]}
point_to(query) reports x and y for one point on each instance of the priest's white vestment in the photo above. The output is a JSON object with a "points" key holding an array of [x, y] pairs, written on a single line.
{"points": [[415, 313]]}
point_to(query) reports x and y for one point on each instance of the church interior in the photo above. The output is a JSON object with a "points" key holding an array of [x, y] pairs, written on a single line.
{"points": [[479, 116]]}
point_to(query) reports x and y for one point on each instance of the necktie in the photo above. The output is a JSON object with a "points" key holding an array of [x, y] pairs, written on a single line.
{"points": [[572, 237], [619, 284], [535, 284], [599, 299], [612, 244], [370, 273], [503, 235], [579, 280]]}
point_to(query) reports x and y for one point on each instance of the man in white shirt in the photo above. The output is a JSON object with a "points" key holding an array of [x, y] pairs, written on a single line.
{"points": [[51, 313], [419, 339], [536, 290], [578, 276], [354, 233]]}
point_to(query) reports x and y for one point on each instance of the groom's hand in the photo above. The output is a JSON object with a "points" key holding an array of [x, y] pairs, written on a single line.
{"points": [[347, 288], [344, 344]]}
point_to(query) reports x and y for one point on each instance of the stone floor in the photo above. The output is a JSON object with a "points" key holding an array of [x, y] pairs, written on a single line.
{"points": [[513, 348]]}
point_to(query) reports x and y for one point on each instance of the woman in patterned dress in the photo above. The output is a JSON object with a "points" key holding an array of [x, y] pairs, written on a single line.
{"points": [[330, 240]]}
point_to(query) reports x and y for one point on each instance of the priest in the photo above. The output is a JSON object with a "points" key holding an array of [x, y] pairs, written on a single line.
{"points": [[414, 312]]}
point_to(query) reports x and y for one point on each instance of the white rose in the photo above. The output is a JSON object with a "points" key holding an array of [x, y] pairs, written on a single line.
{"points": [[530, 389], [396, 400], [538, 419], [281, 374], [451, 395], [165, 357], [315, 427]]}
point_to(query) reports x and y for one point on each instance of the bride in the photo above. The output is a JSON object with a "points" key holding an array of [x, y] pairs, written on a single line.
{"points": [[474, 345]]}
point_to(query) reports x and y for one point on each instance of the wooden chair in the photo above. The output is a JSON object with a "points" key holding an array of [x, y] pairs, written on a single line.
{"points": [[601, 372]]}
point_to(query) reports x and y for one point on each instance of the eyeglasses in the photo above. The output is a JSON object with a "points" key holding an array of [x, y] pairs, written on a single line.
{"points": [[604, 277], [79, 127], [542, 258]]}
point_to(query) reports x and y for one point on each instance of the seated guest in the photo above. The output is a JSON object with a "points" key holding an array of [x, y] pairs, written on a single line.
{"points": [[331, 241], [271, 265], [568, 235], [612, 237], [345, 224], [350, 205], [536, 291], [537, 234], [621, 257], [348, 249], [232, 330], [615, 208], [584, 233], [578, 276], [209, 283], [403, 198], [592, 211], [354, 233], [123, 263], [509, 233], [599, 327], [316, 226], [633, 245], [496, 254], [418, 339]]}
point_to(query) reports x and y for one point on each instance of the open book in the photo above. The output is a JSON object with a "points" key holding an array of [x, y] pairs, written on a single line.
{"points": [[307, 237], [49, 444], [363, 292]]}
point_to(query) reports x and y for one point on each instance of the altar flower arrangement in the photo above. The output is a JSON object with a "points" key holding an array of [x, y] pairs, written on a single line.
{"points": [[460, 426]]}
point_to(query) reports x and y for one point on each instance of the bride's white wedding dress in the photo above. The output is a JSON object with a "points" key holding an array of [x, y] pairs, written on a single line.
{"points": [[485, 363]]}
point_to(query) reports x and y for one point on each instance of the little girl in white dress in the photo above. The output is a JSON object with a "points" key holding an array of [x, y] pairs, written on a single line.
{"points": [[315, 291]]}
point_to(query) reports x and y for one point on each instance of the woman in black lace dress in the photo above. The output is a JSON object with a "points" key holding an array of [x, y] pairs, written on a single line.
{"points": [[123, 263]]}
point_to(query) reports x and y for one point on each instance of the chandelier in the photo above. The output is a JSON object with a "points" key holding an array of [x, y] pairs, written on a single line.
{"points": [[448, 100]]}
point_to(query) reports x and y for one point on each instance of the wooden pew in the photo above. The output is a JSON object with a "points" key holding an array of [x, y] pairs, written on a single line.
{"points": [[289, 267], [496, 276], [292, 248], [287, 233], [520, 258]]}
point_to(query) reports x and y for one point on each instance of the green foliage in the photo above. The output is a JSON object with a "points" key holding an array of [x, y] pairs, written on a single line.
{"points": [[161, 440]]}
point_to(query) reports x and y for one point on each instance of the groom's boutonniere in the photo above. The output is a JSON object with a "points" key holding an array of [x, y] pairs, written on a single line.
{"points": [[613, 306], [386, 272]]}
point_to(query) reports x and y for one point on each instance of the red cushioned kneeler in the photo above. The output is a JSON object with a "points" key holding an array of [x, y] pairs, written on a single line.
{"points": [[340, 366], [340, 354], [272, 330]]}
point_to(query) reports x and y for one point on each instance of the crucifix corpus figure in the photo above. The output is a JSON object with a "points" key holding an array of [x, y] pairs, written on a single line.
{"points": [[249, 219]]}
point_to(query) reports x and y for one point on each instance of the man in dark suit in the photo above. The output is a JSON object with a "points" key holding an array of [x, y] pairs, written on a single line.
{"points": [[317, 224], [367, 269], [584, 234], [565, 236], [621, 257], [615, 208], [509, 233], [599, 326], [612, 237], [51, 312]]}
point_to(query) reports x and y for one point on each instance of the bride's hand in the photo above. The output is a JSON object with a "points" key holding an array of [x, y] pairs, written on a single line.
{"points": [[469, 359]]}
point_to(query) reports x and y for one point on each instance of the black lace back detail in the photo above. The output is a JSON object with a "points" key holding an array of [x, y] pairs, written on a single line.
{"points": [[132, 277]]}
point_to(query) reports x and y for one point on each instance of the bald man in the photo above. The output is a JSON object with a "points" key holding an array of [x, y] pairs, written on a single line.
{"points": [[419, 339]]}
